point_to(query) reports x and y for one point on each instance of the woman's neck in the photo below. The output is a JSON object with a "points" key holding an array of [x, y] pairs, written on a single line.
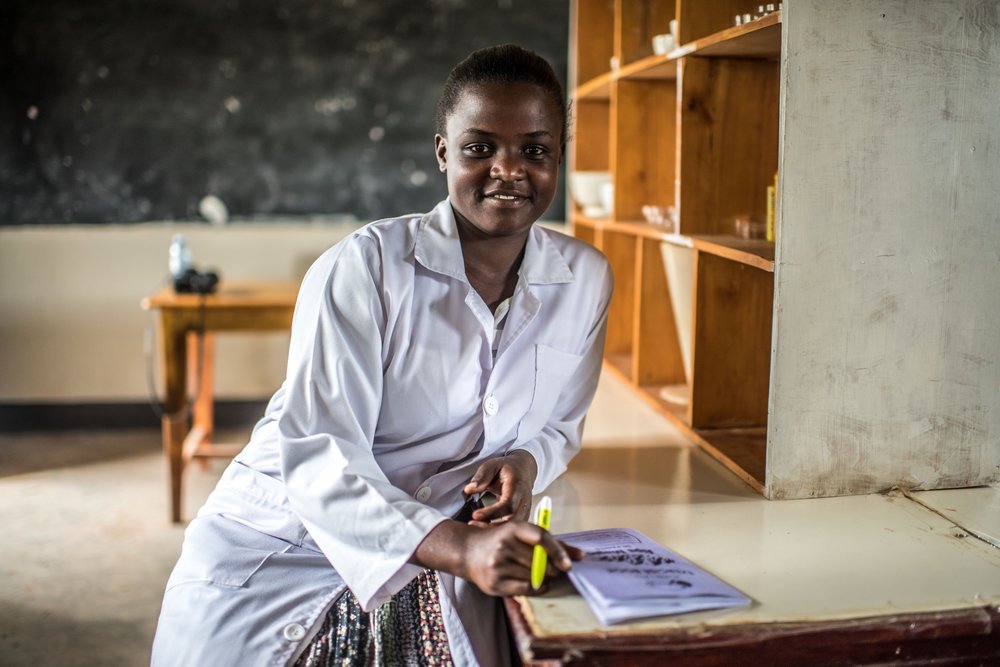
{"points": [[492, 264]]}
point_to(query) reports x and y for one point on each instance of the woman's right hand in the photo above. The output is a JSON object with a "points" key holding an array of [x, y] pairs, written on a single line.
{"points": [[497, 557]]}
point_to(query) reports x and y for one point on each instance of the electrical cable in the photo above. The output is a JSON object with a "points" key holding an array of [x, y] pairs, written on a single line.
{"points": [[149, 337]]}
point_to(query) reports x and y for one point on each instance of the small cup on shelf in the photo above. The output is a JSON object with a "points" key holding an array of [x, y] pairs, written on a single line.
{"points": [[663, 44], [661, 216]]}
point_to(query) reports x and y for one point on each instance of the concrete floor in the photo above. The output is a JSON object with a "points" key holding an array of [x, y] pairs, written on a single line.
{"points": [[89, 546]]}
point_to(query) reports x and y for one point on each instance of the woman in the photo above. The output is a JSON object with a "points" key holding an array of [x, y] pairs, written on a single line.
{"points": [[433, 358]]}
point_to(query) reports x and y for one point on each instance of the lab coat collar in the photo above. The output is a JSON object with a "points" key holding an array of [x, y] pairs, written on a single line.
{"points": [[543, 263], [437, 247]]}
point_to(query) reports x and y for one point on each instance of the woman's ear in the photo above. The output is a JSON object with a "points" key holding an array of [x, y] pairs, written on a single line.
{"points": [[441, 151]]}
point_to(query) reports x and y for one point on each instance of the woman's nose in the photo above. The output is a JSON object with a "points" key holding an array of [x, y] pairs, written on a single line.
{"points": [[507, 167]]}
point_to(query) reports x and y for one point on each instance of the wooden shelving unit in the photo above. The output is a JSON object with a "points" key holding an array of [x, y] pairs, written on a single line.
{"points": [[695, 129], [833, 361]]}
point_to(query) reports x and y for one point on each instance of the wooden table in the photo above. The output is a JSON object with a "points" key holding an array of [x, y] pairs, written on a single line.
{"points": [[236, 306]]}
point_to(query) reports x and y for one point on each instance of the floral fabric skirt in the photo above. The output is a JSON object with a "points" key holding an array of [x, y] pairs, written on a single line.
{"points": [[406, 630]]}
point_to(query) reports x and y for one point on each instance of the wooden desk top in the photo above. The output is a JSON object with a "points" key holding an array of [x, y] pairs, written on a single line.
{"points": [[231, 294]]}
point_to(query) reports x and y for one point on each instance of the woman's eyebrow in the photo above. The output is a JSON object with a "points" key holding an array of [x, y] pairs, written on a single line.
{"points": [[487, 133]]}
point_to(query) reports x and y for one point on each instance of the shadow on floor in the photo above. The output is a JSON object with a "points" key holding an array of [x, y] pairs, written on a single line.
{"points": [[33, 638], [23, 453]]}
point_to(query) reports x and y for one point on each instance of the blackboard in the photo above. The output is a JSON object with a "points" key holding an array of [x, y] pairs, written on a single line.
{"points": [[133, 110]]}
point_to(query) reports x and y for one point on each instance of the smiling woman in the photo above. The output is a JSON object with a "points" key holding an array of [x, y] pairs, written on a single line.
{"points": [[434, 358]]}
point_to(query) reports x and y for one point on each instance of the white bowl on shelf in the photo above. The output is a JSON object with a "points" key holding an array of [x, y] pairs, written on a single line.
{"points": [[585, 188], [608, 197]]}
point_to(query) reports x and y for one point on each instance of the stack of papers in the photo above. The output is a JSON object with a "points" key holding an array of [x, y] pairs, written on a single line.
{"points": [[625, 575]]}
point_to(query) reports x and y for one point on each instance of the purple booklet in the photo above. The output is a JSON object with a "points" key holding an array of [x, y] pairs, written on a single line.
{"points": [[625, 575]]}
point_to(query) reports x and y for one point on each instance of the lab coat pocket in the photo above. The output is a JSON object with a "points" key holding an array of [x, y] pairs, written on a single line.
{"points": [[553, 368], [239, 566], [222, 552]]}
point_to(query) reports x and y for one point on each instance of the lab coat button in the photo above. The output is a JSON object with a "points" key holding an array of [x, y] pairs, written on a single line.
{"points": [[490, 405], [424, 494], [294, 632]]}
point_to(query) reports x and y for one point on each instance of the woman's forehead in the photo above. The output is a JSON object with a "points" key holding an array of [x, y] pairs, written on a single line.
{"points": [[526, 103]]}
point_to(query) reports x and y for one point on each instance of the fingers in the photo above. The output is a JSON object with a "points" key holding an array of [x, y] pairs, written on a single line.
{"points": [[521, 586], [513, 491], [510, 505], [501, 557], [529, 533], [498, 511], [574, 552], [484, 476]]}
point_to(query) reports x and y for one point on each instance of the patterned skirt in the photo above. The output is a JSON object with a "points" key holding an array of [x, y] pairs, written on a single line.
{"points": [[406, 630]]}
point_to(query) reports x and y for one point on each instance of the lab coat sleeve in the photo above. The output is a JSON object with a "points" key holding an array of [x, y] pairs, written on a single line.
{"points": [[366, 527], [559, 440]]}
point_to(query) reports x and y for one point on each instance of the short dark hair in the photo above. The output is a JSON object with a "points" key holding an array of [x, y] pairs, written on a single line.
{"points": [[504, 63]]}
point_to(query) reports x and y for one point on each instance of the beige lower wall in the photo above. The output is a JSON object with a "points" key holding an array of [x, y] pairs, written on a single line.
{"points": [[72, 331]]}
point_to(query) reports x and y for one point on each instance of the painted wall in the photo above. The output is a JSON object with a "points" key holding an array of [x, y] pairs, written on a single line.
{"points": [[886, 360], [72, 331]]}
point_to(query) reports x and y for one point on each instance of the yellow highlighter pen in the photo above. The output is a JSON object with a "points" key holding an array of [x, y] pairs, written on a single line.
{"points": [[543, 518]]}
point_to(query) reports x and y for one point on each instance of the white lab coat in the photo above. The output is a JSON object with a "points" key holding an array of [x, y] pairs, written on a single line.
{"points": [[392, 400]]}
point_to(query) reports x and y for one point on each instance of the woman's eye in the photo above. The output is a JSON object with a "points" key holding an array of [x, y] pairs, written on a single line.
{"points": [[535, 151], [478, 149]]}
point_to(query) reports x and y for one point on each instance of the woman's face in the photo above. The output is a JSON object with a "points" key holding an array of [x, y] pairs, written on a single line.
{"points": [[501, 156]]}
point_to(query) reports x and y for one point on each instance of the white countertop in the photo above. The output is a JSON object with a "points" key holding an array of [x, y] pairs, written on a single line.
{"points": [[799, 560]]}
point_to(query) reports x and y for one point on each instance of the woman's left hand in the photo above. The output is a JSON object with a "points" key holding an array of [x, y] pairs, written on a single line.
{"points": [[510, 478]]}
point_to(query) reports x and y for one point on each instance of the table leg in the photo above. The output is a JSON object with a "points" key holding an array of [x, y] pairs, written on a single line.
{"points": [[176, 415], [201, 368], [174, 429]]}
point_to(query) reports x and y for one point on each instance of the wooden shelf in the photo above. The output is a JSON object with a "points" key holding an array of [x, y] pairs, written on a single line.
{"points": [[741, 450], [654, 68], [752, 252], [757, 253], [598, 88], [675, 412], [643, 229], [587, 221], [621, 365], [757, 39]]}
